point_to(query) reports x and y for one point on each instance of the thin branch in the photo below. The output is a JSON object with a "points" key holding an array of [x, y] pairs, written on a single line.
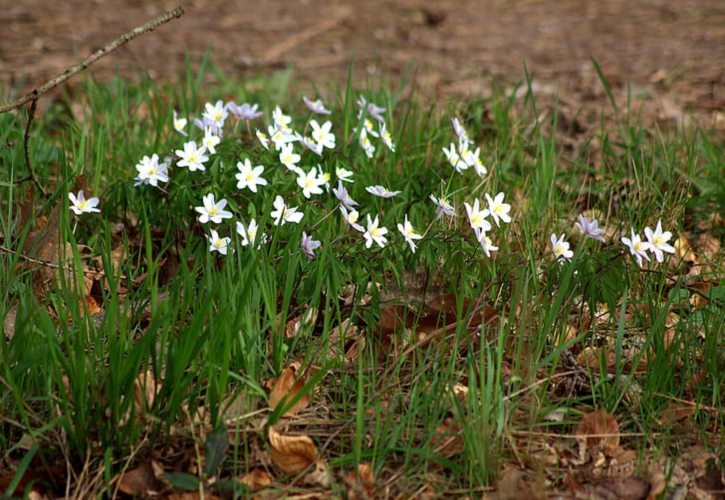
{"points": [[121, 40], [26, 145]]}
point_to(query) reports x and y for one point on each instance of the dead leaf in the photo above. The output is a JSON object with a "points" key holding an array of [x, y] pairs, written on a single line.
{"points": [[291, 454], [360, 483], [257, 479], [287, 387], [319, 476], [598, 430], [141, 481], [145, 389], [447, 440]]}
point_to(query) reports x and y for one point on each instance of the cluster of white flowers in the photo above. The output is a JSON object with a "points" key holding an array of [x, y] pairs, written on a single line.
{"points": [[313, 181]]}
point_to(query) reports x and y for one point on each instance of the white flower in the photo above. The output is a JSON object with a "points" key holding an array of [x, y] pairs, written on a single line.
{"points": [[249, 177], [443, 207], [590, 228], [263, 138], [288, 157], [386, 137], [637, 247], [406, 229], [215, 114], [341, 194], [477, 217], [498, 209], [344, 174], [369, 128], [366, 144], [322, 135], [308, 245], [249, 233], [351, 218], [280, 119], [280, 136], [658, 241], [79, 204], [560, 248], [310, 183], [283, 214], [192, 157], [210, 140], [324, 178], [472, 159], [460, 131], [316, 106], [212, 211], [375, 233], [217, 244], [150, 171], [485, 241], [180, 124], [381, 191], [454, 158]]}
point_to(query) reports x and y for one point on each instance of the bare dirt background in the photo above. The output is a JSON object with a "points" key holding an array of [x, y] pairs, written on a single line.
{"points": [[670, 52]]}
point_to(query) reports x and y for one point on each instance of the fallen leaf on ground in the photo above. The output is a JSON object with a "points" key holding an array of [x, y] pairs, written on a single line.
{"points": [[256, 479], [360, 483], [319, 476], [598, 430], [141, 481], [447, 440], [292, 454], [145, 389], [286, 387]]}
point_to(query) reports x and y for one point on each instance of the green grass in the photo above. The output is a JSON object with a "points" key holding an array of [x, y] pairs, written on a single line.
{"points": [[211, 329]]}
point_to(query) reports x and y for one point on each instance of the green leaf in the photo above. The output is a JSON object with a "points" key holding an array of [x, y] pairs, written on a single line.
{"points": [[216, 450], [182, 481]]}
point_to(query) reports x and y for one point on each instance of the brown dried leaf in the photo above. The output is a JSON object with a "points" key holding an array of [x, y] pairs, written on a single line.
{"points": [[141, 481], [448, 441], [145, 389], [319, 476], [600, 430], [256, 479], [291, 454], [285, 388], [361, 484]]}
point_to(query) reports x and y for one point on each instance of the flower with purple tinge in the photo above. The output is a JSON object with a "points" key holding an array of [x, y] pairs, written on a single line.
{"points": [[288, 157], [212, 211], [249, 177], [210, 141], [406, 229], [343, 174], [375, 233], [589, 228], [180, 124], [283, 214], [281, 120], [322, 134], [263, 138], [351, 218], [637, 247], [485, 241], [243, 112], [79, 204], [341, 194], [460, 130], [316, 106], [498, 209], [366, 144], [455, 159], [308, 143], [657, 240], [560, 248], [381, 191], [308, 245], [372, 109], [216, 114], [280, 137], [249, 233], [192, 157], [310, 183], [217, 244], [443, 207], [386, 137], [150, 171], [477, 217]]}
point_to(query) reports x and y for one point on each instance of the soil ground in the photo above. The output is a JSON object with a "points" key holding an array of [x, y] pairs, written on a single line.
{"points": [[669, 54]]}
